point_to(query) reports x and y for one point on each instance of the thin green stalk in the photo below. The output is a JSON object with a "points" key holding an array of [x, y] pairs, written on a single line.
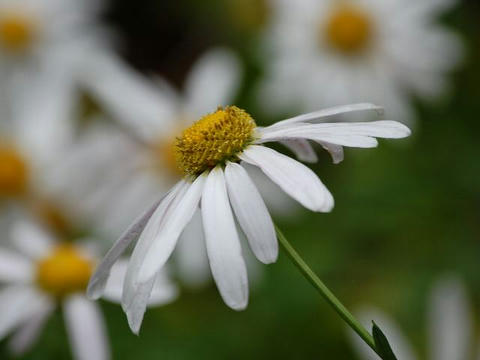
{"points": [[325, 292]]}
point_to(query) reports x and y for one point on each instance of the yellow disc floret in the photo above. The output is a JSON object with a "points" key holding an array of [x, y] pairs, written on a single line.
{"points": [[65, 271], [13, 172], [16, 32], [213, 139], [348, 30]]}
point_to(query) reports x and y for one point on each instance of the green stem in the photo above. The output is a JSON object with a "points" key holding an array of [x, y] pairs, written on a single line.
{"points": [[325, 292]]}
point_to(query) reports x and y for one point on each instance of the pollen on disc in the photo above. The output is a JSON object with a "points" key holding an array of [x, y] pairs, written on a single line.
{"points": [[214, 139]]}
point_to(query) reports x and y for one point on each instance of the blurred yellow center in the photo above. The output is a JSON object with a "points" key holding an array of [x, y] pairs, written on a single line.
{"points": [[13, 172], [64, 272], [16, 32], [348, 30], [213, 139]]}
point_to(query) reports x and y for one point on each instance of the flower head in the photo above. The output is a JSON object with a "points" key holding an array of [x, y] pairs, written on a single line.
{"points": [[214, 139], [375, 50], [41, 273], [211, 153]]}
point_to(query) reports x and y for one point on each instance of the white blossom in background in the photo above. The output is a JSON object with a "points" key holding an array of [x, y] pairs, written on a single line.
{"points": [[215, 186], [449, 325], [332, 52], [39, 274]]}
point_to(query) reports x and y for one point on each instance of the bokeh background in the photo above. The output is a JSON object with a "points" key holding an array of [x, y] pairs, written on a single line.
{"points": [[406, 212]]}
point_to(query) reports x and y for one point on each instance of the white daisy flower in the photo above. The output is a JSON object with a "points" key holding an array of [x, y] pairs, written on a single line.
{"points": [[352, 51], [449, 325], [209, 154], [40, 274], [135, 172], [31, 31]]}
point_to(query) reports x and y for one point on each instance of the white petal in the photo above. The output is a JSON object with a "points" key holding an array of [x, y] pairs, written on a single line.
{"points": [[359, 134], [43, 115], [164, 290], [100, 276], [294, 178], [86, 329], [337, 110], [177, 217], [336, 151], [17, 305], [450, 320], [135, 296], [213, 81], [14, 267], [31, 240], [306, 131], [127, 96], [400, 345], [191, 254], [251, 213], [223, 246], [302, 150], [22, 340]]}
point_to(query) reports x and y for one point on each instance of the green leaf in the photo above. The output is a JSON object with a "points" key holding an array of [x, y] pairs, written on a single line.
{"points": [[381, 344]]}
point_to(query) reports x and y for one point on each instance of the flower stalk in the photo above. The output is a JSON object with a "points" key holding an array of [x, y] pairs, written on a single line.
{"points": [[325, 292]]}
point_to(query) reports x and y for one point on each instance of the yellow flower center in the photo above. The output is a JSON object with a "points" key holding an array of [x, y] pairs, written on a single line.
{"points": [[16, 32], [248, 15], [13, 172], [213, 139], [348, 30], [64, 272]]}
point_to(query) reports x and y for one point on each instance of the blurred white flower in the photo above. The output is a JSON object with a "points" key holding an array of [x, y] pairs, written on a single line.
{"points": [[208, 153], [449, 325], [335, 52], [33, 31], [40, 274]]}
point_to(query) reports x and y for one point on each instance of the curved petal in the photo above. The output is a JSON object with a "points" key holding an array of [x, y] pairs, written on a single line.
{"points": [[223, 246], [213, 81], [99, 278], [86, 329], [335, 151], [294, 178], [450, 320], [163, 292], [302, 150], [135, 296], [360, 134], [320, 115], [175, 221], [251, 213]]}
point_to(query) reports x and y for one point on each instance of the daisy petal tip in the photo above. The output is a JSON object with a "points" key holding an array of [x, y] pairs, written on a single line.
{"points": [[96, 287]]}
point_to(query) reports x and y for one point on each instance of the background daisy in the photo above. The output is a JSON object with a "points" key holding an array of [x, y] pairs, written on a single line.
{"points": [[328, 52], [39, 274]]}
